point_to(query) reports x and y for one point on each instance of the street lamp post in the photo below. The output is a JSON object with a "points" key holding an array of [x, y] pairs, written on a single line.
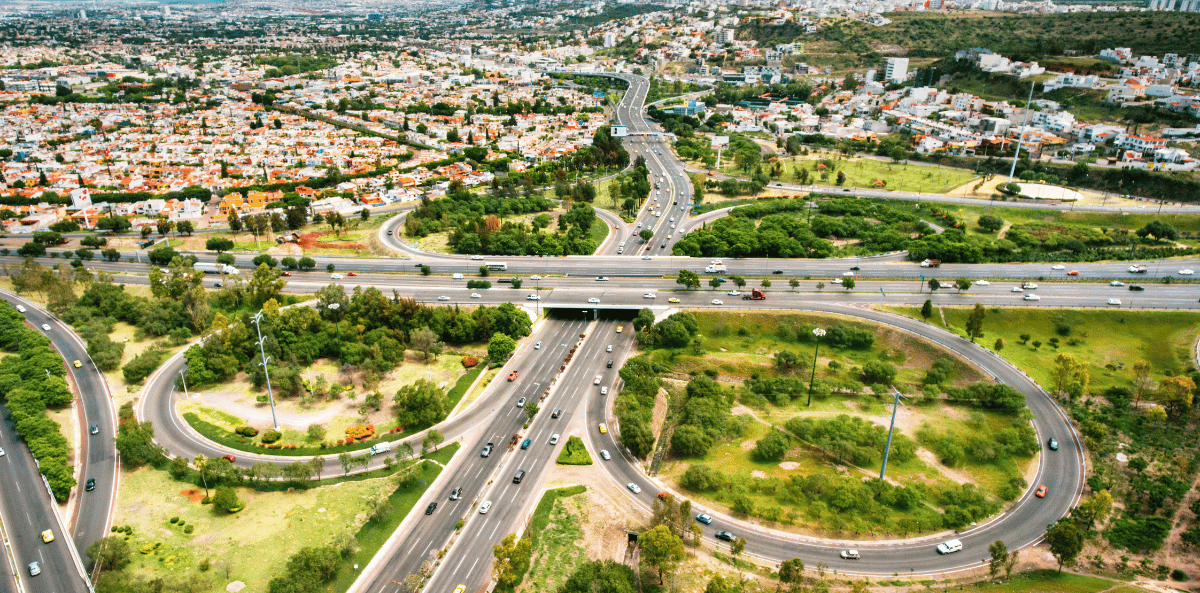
{"points": [[819, 333], [183, 379], [334, 307], [257, 319]]}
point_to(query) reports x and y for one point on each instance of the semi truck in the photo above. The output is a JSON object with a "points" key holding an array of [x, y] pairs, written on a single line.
{"points": [[214, 268], [755, 295]]}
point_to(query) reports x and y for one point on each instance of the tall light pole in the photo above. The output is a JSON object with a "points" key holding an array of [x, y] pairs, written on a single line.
{"points": [[888, 449], [257, 319], [183, 379], [334, 307], [819, 333]]}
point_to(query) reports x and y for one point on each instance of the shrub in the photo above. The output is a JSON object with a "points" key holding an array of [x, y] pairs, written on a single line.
{"points": [[271, 436], [174, 520], [247, 431], [469, 361], [189, 529], [1178, 575], [574, 453], [360, 432]]}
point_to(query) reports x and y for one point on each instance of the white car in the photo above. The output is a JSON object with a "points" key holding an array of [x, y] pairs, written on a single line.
{"points": [[335, 276], [593, 300], [533, 297], [847, 274], [1116, 283], [1032, 297], [649, 295], [836, 281], [535, 277], [717, 302], [1018, 289], [609, 349], [46, 326], [476, 257], [1029, 286], [483, 509], [634, 488], [1058, 267], [645, 257], [1116, 302], [1186, 272], [597, 381], [734, 293], [537, 346], [604, 455], [443, 298], [604, 390], [475, 295], [982, 283]]}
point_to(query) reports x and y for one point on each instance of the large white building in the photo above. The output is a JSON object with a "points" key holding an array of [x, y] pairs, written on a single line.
{"points": [[896, 70]]}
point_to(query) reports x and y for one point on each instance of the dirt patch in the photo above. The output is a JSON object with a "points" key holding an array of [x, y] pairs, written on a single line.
{"points": [[788, 465], [758, 474], [931, 459], [192, 494], [313, 241]]}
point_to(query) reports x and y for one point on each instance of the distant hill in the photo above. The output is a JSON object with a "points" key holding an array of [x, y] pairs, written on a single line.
{"points": [[935, 34]]}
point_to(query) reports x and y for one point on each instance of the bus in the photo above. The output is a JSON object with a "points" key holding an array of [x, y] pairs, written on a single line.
{"points": [[496, 265]]}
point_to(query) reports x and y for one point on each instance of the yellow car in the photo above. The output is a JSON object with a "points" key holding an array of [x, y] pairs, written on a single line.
{"points": [[77, 364], [603, 428], [672, 300], [47, 536], [620, 328], [460, 589]]}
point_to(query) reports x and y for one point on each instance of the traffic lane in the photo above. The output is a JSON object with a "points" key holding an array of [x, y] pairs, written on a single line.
{"points": [[472, 471], [509, 500]]}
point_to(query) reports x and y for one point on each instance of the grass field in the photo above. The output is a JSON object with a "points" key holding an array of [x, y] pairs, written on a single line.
{"points": [[1050, 581], [1102, 338], [1182, 223], [863, 172], [556, 526], [574, 453]]}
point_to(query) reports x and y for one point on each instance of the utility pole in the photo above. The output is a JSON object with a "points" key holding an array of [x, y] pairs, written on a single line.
{"points": [[891, 429], [334, 307], [183, 379], [257, 319], [819, 333], [1021, 140]]}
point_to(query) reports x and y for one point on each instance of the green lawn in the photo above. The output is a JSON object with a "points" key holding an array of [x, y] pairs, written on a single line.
{"points": [[970, 214], [1049, 581], [863, 172], [557, 526], [1102, 338]]}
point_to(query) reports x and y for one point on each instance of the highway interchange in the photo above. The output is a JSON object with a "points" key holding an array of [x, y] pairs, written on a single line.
{"points": [[25, 507]]}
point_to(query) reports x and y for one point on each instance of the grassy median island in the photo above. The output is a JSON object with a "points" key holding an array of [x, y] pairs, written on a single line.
{"points": [[739, 435]]}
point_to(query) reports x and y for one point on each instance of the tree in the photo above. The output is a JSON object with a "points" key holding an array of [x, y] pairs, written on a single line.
{"points": [[265, 284], [715, 283], [425, 341], [1176, 393], [500, 347], [185, 226], [135, 443], [637, 437], [512, 556], [421, 403], [736, 547], [661, 549], [235, 222], [306, 263], [990, 223], [927, 309], [791, 573], [218, 244], [436, 438], [934, 284], [1065, 541], [306, 571], [347, 461], [1141, 379], [1071, 376], [962, 284], [646, 235], [1095, 508], [1159, 230], [688, 279], [975, 322], [109, 553], [738, 281], [999, 345], [999, 553], [848, 283], [1010, 563], [772, 447], [879, 372], [226, 500]]}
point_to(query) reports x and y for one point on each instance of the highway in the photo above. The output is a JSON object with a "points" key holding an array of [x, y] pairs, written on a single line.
{"points": [[27, 507]]}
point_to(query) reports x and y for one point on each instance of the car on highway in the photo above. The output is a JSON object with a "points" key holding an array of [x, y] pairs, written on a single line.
{"points": [[734, 293], [431, 508], [1135, 287], [1032, 297], [777, 272], [483, 508], [533, 297], [1018, 289], [443, 298], [48, 536], [609, 349], [1041, 492], [456, 493], [46, 327], [1186, 272], [634, 488], [1029, 286], [487, 450], [94, 429], [475, 295], [1052, 444], [620, 328], [604, 455], [1, 452], [460, 589], [705, 519], [849, 554], [535, 277], [335, 276], [525, 443], [603, 428], [77, 364], [1058, 267], [604, 390], [418, 265], [648, 295], [521, 403], [597, 381], [949, 547], [90, 485], [718, 302], [725, 535], [982, 283], [554, 439], [21, 308], [836, 281], [672, 300], [218, 285], [476, 257], [34, 569], [556, 413], [646, 256], [285, 273], [1073, 273], [1114, 302], [351, 273], [848, 274], [513, 376], [1116, 283], [601, 278]]}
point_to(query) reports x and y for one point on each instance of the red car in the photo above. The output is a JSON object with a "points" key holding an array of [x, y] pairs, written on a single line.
{"points": [[1073, 273], [1041, 492], [351, 274], [286, 273], [230, 458]]}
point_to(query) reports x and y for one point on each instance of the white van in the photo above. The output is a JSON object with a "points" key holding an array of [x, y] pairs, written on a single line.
{"points": [[949, 547], [378, 448], [457, 276]]}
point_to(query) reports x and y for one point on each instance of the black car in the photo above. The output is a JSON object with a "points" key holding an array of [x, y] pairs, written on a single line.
{"points": [[1135, 287], [1053, 444], [431, 508], [556, 413], [855, 268], [91, 484], [610, 363], [725, 535], [95, 429], [777, 272]]}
